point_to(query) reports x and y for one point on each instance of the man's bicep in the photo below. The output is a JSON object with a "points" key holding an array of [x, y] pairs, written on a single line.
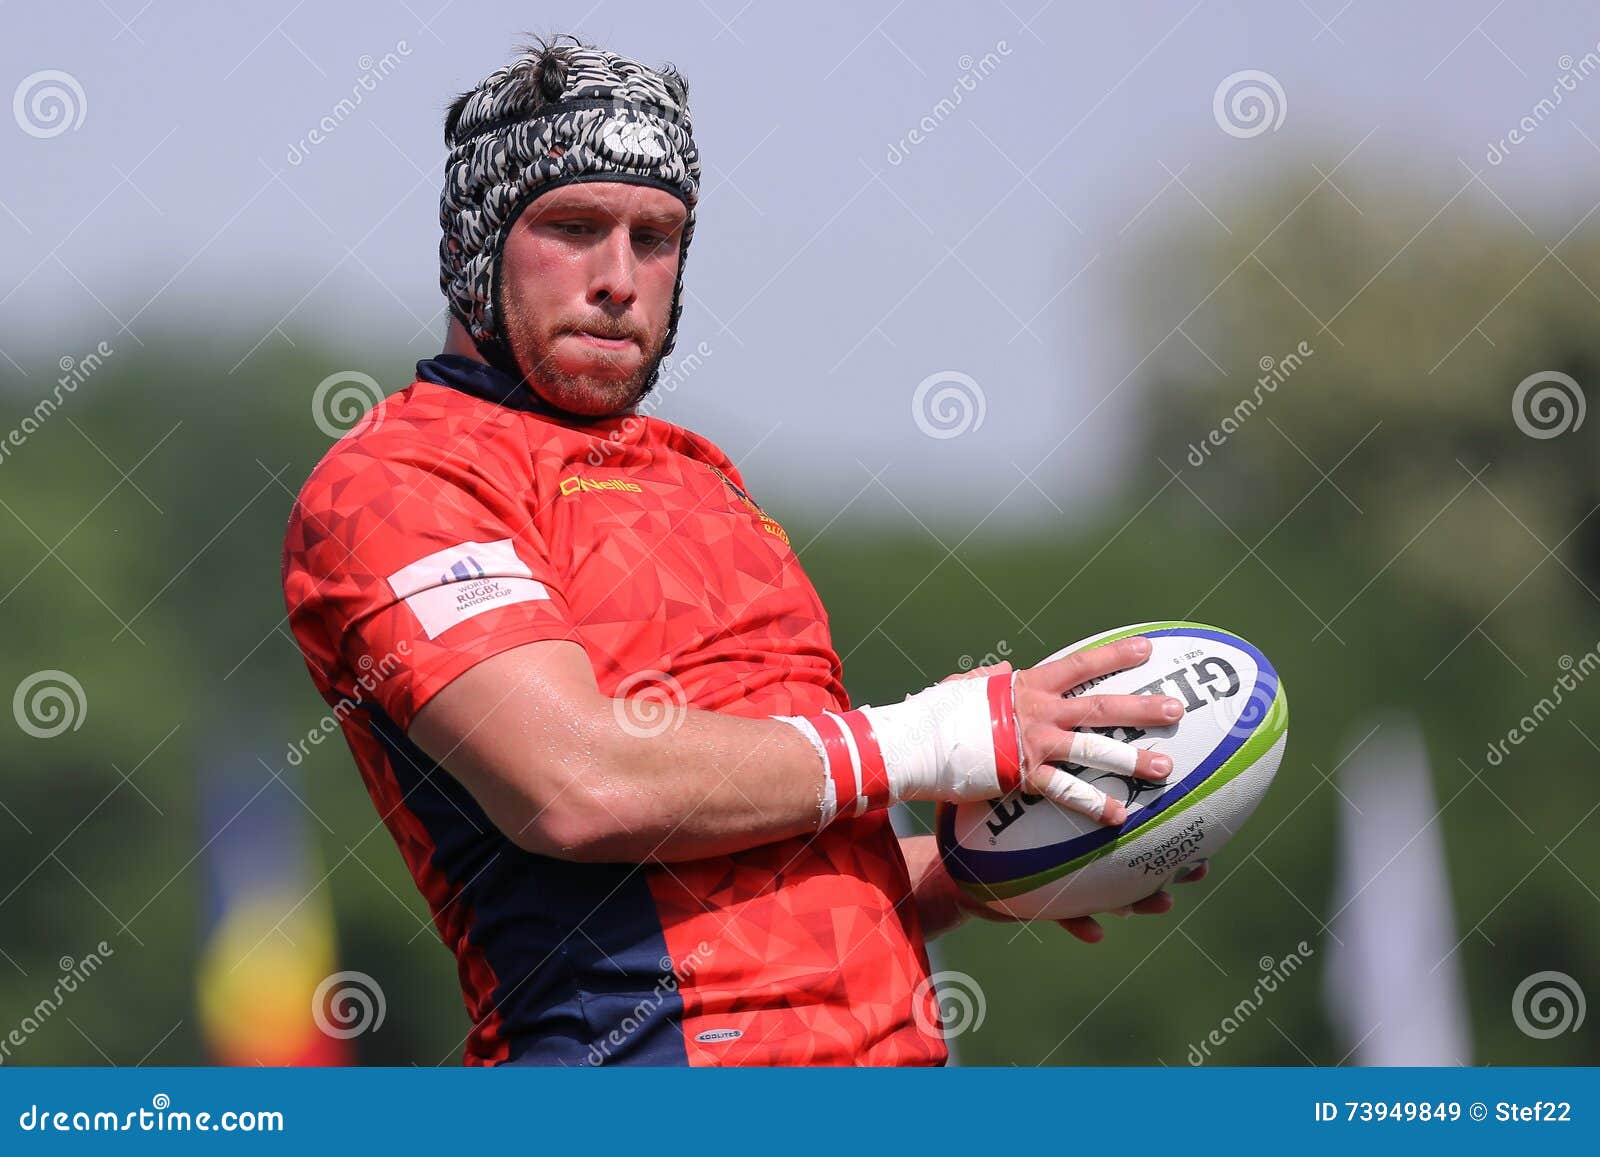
{"points": [[511, 729]]}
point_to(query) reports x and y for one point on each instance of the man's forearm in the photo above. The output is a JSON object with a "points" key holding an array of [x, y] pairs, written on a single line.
{"points": [[938, 899], [565, 771], [712, 785]]}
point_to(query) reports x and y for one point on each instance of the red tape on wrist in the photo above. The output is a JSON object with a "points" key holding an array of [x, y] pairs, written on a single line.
{"points": [[874, 775], [1003, 726], [841, 767]]}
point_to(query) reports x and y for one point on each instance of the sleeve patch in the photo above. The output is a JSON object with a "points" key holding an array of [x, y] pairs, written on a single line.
{"points": [[452, 585]]}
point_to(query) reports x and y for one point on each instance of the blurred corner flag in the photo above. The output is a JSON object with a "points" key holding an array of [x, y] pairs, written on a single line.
{"points": [[268, 932]]}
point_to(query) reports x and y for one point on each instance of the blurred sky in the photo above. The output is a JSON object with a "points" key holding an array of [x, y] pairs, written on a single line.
{"points": [[826, 281]]}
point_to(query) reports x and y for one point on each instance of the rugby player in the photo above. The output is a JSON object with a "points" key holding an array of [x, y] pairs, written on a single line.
{"points": [[589, 687]]}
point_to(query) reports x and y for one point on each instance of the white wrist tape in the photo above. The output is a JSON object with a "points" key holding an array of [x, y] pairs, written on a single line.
{"points": [[955, 741]]}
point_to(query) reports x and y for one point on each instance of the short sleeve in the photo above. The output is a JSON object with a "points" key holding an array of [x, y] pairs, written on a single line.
{"points": [[401, 573]]}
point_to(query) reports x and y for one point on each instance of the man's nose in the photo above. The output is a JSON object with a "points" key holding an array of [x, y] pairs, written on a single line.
{"points": [[611, 280]]}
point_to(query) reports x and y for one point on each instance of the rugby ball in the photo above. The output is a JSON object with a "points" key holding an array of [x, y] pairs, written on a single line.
{"points": [[1032, 859]]}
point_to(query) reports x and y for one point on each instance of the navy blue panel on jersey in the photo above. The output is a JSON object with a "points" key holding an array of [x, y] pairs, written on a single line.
{"points": [[584, 976]]}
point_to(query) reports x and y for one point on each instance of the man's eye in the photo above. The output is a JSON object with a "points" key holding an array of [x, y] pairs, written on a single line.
{"points": [[571, 228]]}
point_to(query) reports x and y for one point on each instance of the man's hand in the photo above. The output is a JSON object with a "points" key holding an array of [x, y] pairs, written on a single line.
{"points": [[942, 905], [1087, 928], [1048, 723], [991, 731]]}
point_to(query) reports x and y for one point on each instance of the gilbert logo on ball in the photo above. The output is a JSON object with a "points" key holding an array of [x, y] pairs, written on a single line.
{"points": [[1027, 857]]}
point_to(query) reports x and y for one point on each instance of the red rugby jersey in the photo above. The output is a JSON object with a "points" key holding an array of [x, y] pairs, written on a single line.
{"points": [[462, 518]]}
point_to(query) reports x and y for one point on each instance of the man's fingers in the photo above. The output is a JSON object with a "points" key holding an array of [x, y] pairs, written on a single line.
{"points": [[1196, 871], [1085, 928], [1101, 752], [1069, 791], [1062, 675], [1154, 904], [1146, 711]]}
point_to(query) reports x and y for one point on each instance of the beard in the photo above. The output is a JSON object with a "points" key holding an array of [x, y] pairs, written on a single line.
{"points": [[601, 391]]}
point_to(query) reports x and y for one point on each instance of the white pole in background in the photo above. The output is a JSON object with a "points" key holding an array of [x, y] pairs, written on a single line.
{"points": [[1389, 996]]}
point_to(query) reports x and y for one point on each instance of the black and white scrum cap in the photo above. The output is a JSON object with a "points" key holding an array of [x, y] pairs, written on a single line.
{"points": [[554, 116]]}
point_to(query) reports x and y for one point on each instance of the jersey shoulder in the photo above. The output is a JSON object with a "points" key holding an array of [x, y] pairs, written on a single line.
{"points": [[424, 426]]}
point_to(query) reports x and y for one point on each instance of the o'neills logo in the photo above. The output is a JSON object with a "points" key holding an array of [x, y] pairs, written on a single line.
{"points": [[577, 485]]}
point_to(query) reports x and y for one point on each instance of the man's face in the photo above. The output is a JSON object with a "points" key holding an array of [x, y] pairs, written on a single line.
{"points": [[586, 283]]}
